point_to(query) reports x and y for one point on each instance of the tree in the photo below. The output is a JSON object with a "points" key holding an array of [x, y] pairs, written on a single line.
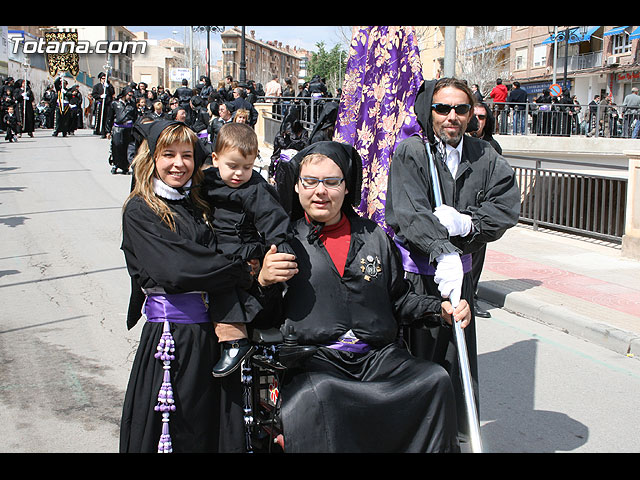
{"points": [[328, 64]]}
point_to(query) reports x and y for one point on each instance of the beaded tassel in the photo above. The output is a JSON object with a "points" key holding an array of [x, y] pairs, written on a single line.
{"points": [[164, 352], [247, 380]]}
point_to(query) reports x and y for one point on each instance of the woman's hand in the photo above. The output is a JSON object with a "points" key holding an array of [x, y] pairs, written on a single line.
{"points": [[277, 267], [462, 313]]}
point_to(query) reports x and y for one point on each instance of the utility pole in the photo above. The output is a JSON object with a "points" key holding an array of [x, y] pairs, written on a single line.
{"points": [[450, 51]]}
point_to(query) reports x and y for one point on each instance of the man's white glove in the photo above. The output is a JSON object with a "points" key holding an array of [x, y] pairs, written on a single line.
{"points": [[449, 276], [456, 223]]}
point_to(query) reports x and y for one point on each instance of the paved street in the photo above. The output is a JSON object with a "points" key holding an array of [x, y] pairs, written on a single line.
{"points": [[65, 352]]}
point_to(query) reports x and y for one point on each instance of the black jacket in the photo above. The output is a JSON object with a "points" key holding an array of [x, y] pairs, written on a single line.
{"points": [[248, 219], [485, 188]]}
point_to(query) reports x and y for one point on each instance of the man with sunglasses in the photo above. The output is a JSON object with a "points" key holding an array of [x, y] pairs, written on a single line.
{"points": [[480, 201]]}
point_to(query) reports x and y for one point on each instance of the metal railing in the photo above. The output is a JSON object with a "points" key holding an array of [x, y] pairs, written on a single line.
{"points": [[309, 108], [564, 120], [583, 204]]}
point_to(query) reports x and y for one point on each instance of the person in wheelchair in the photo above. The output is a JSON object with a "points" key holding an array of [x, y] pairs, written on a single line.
{"points": [[359, 389]]}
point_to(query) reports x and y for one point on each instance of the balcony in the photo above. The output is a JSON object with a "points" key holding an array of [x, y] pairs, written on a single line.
{"points": [[580, 62]]}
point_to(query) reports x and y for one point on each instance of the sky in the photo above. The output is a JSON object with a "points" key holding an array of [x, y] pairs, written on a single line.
{"points": [[299, 36]]}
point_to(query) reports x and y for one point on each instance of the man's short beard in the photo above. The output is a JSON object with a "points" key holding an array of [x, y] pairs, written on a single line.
{"points": [[447, 140]]}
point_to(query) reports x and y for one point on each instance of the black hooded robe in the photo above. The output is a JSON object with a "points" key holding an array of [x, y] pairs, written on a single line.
{"points": [[122, 140], [485, 188], [209, 415], [383, 400]]}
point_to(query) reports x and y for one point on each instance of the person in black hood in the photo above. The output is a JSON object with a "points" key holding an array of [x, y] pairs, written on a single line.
{"points": [[124, 116], [358, 390], [480, 201]]}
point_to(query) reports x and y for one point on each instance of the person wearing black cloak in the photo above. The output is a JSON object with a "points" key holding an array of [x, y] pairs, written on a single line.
{"points": [[172, 402], [481, 200], [24, 105], [183, 93], [247, 220], [325, 125], [62, 123], [291, 138], [124, 115], [360, 390]]}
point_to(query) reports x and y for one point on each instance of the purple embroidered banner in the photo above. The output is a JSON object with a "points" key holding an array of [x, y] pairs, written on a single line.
{"points": [[376, 110]]}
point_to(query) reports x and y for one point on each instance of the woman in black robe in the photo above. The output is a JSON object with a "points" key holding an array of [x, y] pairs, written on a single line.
{"points": [[361, 391], [172, 402]]}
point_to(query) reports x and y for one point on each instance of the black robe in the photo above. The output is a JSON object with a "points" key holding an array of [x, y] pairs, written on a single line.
{"points": [[384, 400], [25, 109], [122, 140], [247, 219], [209, 415], [485, 188], [101, 108], [63, 110]]}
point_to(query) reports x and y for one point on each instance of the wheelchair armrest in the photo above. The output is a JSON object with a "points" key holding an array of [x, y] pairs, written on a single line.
{"points": [[266, 336]]}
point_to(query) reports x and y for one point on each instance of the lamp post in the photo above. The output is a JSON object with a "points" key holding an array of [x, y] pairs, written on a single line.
{"points": [[243, 63], [565, 36], [208, 29]]}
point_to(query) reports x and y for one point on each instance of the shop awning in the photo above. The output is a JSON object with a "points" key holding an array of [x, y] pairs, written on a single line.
{"points": [[615, 31], [635, 34]]}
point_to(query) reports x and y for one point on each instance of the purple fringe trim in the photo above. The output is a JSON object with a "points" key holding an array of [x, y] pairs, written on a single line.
{"points": [[166, 404]]}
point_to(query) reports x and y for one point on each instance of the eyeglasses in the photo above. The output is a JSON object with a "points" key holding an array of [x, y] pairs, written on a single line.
{"points": [[444, 108], [312, 182], [481, 117]]}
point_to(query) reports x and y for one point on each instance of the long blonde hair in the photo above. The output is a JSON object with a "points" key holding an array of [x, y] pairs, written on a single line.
{"points": [[144, 170]]}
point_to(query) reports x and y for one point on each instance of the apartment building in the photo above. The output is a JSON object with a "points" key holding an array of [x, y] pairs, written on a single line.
{"points": [[598, 60], [263, 59]]}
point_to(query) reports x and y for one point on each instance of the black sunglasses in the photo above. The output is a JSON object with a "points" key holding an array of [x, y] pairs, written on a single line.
{"points": [[444, 108]]}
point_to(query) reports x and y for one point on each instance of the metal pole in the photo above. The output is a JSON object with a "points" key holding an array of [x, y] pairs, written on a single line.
{"points": [[555, 52], [449, 51], [243, 65], [566, 57], [461, 345]]}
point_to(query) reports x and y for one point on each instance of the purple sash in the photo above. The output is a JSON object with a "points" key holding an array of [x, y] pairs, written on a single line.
{"points": [[171, 308], [177, 308], [349, 344], [128, 124], [419, 264]]}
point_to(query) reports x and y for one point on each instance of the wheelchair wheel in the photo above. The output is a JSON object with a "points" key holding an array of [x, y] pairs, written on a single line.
{"points": [[262, 376]]}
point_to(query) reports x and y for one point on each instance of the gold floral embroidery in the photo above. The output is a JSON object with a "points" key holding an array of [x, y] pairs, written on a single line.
{"points": [[376, 112]]}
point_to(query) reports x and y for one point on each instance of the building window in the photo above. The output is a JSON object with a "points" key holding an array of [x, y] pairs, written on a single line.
{"points": [[540, 56], [620, 44], [521, 59]]}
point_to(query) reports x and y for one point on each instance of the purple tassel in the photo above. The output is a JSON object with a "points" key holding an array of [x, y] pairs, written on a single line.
{"points": [[166, 403]]}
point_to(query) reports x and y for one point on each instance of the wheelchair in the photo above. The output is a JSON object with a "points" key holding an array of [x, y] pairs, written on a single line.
{"points": [[262, 375]]}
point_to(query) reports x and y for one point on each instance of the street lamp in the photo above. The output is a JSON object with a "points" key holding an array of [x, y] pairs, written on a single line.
{"points": [[208, 29], [565, 36]]}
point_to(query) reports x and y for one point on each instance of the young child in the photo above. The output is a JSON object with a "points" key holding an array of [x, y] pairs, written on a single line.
{"points": [[11, 122], [247, 220]]}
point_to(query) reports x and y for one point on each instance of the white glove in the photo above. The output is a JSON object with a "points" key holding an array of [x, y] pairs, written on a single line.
{"points": [[456, 223], [449, 276]]}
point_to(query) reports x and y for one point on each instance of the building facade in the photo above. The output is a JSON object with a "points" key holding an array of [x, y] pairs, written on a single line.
{"points": [[263, 59], [598, 60]]}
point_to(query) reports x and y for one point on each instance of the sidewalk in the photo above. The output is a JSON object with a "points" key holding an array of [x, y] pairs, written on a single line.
{"points": [[584, 287]]}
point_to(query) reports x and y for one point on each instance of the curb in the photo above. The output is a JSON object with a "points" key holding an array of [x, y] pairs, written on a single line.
{"points": [[612, 338]]}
